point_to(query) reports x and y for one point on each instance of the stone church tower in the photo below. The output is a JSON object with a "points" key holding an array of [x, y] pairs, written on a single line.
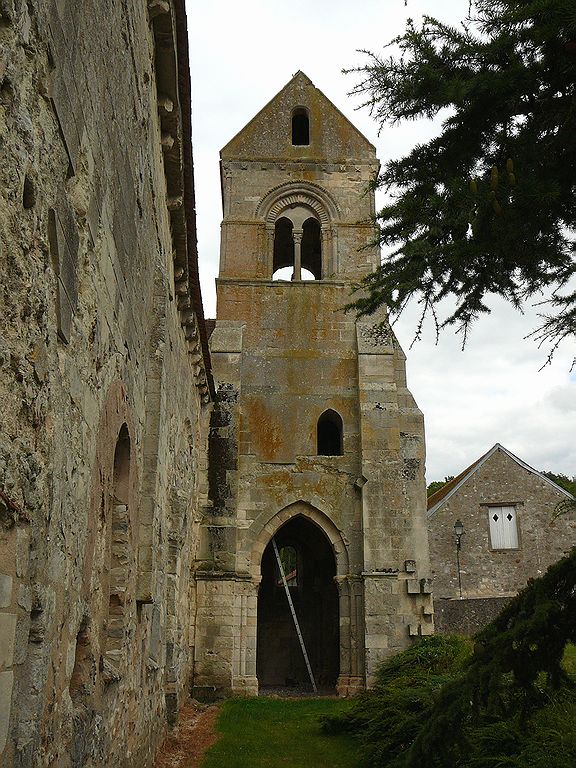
{"points": [[315, 440]]}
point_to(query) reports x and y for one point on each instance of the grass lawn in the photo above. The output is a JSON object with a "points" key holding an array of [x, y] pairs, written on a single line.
{"points": [[280, 733], [285, 733]]}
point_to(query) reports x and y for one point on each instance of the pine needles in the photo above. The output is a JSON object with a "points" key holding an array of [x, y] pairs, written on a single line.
{"points": [[509, 702], [489, 205]]}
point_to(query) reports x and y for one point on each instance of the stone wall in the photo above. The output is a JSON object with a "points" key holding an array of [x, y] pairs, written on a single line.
{"points": [[488, 572], [104, 385], [466, 616]]}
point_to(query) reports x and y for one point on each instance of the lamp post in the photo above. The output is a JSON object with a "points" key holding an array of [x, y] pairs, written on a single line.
{"points": [[458, 533]]}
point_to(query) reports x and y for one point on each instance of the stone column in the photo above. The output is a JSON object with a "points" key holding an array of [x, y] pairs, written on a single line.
{"points": [[358, 670], [335, 266], [351, 679], [297, 234], [269, 256], [327, 260], [345, 621], [244, 680]]}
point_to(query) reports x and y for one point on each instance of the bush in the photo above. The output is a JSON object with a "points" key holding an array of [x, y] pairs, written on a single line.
{"points": [[511, 701], [388, 718]]}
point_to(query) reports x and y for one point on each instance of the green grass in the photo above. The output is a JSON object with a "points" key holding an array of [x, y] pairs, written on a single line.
{"points": [[280, 733], [286, 733]]}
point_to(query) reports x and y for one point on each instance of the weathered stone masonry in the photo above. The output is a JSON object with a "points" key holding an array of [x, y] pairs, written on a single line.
{"points": [[129, 569], [287, 361], [491, 575], [104, 381]]}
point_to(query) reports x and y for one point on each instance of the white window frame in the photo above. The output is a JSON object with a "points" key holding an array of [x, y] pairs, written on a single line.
{"points": [[503, 524]]}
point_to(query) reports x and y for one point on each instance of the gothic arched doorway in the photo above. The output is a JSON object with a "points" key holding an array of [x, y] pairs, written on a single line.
{"points": [[310, 567]]}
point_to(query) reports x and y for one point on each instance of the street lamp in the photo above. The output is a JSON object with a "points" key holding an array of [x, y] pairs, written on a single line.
{"points": [[458, 533]]}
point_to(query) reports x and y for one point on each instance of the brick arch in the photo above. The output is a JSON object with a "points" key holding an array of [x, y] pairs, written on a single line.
{"points": [[303, 193], [314, 515]]}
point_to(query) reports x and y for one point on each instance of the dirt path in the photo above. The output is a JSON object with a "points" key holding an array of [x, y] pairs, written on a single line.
{"points": [[185, 746]]}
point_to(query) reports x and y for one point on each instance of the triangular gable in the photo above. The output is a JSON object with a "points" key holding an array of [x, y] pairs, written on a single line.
{"points": [[267, 136], [443, 494]]}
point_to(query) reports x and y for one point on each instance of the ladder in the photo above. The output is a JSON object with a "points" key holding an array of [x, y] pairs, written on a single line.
{"points": [[296, 624]]}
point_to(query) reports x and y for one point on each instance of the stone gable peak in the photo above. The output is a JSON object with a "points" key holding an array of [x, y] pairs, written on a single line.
{"points": [[269, 135]]}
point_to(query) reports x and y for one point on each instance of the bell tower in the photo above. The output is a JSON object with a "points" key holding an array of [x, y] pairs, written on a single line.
{"points": [[316, 444]]}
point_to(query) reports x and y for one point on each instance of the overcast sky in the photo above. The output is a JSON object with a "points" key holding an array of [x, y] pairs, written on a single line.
{"points": [[242, 54]]}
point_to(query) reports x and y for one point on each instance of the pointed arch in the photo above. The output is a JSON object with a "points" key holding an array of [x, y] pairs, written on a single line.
{"points": [[315, 516], [309, 568]]}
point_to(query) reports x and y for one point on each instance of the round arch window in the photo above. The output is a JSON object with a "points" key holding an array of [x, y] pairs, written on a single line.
{"points": [[329, 433]]}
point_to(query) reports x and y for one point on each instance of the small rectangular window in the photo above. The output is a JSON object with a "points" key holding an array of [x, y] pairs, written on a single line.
{"points": [[300, 127], [503, 527]]}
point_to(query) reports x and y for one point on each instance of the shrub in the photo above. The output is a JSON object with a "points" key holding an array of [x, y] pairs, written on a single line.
{"points": [[509, 702]]}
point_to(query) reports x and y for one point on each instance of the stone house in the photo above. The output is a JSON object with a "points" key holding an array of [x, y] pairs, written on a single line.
{"points": [[511, 534], [137, 503]]}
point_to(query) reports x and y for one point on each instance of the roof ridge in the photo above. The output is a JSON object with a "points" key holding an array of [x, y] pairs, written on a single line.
{"points": [[441, 495]]}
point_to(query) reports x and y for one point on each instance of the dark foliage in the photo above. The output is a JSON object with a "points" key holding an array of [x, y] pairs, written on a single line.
{"points": [[509, 703], [566, 506], [568, 483], [516, 664], [435, 485], [489, 206], [389, 717]]}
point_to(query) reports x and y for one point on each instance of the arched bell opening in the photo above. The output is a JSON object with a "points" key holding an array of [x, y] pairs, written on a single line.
{"points": [[307, 552], [312, 248], [283, 249], [297, 253]]}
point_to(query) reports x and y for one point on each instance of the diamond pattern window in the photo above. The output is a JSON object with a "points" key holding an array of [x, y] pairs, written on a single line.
{"points": [[503, 527]]}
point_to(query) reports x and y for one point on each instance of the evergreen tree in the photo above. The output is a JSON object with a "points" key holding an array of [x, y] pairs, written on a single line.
{"points": [[568, 483], [489, 206], [435, 485], [510, 702]]}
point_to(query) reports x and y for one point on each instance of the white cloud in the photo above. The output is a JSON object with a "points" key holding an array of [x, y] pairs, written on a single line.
{"points": [[493, 391], [563, 398]]}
